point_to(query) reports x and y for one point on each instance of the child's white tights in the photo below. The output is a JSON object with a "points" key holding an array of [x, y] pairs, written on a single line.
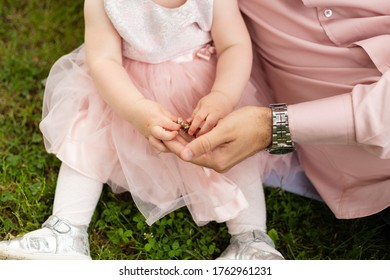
{"points": [[254, 217], [76, 196]]}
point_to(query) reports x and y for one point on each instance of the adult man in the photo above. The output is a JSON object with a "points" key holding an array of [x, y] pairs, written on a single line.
{"points": [[329, 61]]}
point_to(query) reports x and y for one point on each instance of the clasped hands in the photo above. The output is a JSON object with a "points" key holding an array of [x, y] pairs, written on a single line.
{"points": [[223, 137]]}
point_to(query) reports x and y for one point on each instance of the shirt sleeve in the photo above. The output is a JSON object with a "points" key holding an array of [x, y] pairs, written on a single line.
{"points": [[361, 117]]}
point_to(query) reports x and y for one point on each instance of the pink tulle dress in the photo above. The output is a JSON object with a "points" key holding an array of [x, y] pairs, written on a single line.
{"points": [[167, 55]]}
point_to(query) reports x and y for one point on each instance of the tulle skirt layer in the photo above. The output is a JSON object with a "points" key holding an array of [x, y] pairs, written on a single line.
{"points": [[83, 131]]}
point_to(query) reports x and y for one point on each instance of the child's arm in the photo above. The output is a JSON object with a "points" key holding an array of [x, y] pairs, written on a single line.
{"points": [[104, 58], [234, 49]]}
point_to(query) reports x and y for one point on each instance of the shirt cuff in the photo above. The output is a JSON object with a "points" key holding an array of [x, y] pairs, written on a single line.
{"points": [[324, 121]]}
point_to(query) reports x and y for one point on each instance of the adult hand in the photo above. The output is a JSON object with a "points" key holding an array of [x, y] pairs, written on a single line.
{"points": [[239, 135], [154, 122]]}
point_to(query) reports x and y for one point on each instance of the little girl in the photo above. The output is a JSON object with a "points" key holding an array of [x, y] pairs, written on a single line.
{"points": [[110, 106]]}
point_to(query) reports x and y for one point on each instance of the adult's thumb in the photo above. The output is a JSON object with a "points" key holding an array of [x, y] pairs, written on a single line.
{"points": [[201, 145]]}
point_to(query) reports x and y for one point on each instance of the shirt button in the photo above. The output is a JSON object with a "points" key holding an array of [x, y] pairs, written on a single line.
{"points": [[328, 13]]}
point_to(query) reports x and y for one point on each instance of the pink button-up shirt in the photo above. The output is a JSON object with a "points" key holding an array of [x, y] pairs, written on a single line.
{"points": [[330, 61]]}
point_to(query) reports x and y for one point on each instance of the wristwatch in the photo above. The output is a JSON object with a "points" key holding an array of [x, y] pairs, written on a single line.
{"points": [[281, 137]]}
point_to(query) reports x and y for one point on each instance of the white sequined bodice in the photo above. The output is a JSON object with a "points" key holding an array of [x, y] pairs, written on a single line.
{"points": [[153, 34]]}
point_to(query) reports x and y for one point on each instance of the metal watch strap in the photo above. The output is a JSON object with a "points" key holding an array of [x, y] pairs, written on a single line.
{"points": [[281, 137]]}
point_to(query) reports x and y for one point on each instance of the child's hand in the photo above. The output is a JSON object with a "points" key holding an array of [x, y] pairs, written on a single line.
{"points": [[210, 109], [154, 122]]}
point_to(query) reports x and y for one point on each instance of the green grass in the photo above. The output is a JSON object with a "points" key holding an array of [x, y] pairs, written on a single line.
{"points": [[33, 34]]}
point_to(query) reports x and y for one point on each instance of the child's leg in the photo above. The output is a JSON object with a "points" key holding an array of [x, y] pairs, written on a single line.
{"points": [[254, 217], [76, 196], [249, 238]]}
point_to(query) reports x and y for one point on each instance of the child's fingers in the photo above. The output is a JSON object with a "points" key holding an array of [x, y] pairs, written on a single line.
{"points": [[162, 134], [156, 143], [169, 117], [208, 125], [169, 122], [196, 123]]}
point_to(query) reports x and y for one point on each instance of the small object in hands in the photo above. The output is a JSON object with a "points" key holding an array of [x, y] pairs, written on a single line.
{"points": [[184, 125], [184, 130]]}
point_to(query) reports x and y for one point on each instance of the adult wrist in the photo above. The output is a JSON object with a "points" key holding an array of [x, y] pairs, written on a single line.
{"points": [[281, 141]]}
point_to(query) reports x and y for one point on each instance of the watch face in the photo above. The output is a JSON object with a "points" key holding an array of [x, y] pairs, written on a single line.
{"points": [[281, 151]]}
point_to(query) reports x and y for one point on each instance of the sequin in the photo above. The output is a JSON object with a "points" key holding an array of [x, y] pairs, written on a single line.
{"points": [[152, 33]]}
